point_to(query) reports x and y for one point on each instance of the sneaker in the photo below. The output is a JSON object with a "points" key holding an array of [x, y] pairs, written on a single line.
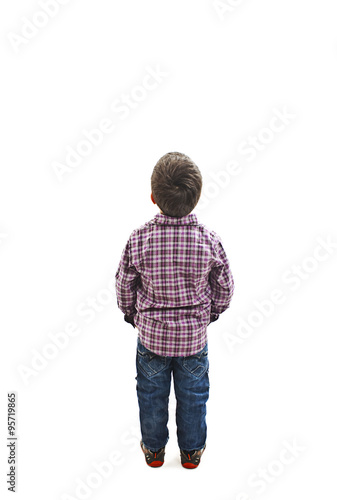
{"points": [[191, 459], [153, 458]]}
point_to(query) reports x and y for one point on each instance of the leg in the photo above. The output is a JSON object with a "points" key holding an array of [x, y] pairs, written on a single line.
{"points": [[153, 390], [191, 385]]}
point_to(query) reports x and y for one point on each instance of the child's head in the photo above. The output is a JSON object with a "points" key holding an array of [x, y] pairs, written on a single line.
{"points": [[176, 184]]}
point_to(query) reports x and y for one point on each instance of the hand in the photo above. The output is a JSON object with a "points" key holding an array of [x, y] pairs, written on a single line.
{"points": [[213, 317], [129, 319]]}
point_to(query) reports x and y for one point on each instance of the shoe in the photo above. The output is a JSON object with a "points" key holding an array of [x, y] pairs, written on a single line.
{"points": [[153, 458], [191, 459]]}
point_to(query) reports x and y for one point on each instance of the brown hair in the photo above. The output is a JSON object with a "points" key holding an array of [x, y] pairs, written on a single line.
{"points": [[176, 184]]}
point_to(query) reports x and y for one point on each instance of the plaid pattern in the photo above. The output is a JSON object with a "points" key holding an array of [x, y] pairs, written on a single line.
{"points": [[173, 278]]}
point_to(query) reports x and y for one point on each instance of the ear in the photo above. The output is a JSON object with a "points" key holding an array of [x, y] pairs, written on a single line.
{"points": [[153, 199]]}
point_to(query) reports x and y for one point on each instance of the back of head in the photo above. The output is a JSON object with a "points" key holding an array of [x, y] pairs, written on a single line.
{"points": [[176, 184]]}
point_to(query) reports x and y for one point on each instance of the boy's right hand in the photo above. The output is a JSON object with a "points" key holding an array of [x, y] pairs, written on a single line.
{"points": [[129, 319]]}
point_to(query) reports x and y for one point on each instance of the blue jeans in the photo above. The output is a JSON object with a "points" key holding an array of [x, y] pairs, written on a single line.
{"points": [[191, 387]]}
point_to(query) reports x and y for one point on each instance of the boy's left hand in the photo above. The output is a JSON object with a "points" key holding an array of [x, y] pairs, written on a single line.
{"points": [[213, 318]]}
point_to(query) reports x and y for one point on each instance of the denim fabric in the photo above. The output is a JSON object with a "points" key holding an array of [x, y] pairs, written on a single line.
{"points": [[191, 387]]}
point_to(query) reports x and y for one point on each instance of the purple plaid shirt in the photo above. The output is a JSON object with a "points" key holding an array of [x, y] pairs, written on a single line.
{"points": [[173, 278]]}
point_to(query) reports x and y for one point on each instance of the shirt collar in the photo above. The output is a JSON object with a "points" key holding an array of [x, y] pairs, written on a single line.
{"points": [[190, 219]]}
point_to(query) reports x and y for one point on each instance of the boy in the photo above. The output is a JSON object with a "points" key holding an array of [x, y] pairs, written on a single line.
{"points": [[173, 280]]}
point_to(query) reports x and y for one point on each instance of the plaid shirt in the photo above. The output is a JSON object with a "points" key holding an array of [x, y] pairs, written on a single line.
{"points": [[173, 279]]}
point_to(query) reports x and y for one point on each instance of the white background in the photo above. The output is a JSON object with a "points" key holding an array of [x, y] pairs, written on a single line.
{"points": [[61, 240]]}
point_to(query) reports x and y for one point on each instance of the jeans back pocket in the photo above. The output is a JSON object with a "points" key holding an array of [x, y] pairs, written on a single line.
{"points": [[198, 363], [149, 362]]}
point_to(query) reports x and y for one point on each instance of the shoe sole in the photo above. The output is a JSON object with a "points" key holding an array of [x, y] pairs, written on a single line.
{"points": [[187, 465], [157, 463]]}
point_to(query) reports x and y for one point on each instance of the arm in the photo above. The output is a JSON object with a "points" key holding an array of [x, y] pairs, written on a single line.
{"points": [[127, 282], [221, 282]]}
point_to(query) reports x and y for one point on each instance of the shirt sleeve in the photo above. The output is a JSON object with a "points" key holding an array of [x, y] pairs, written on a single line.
{"points": [[127, 282], [221, 281]]}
